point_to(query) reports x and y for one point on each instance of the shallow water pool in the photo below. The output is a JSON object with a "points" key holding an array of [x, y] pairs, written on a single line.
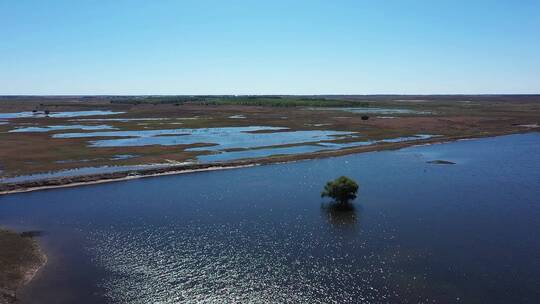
{"points": [[61, 127], [41, 114], [216, 138]]}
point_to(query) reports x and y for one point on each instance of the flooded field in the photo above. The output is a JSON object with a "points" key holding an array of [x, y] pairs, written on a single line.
{"points": [[41, 114], [216, 138], [218, 144], [373, 110], [76, 134], [444, 233], [59, 128], [321, 146]]}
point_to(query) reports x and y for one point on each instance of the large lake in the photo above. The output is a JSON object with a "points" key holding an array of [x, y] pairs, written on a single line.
{"points": [[420, 233]]}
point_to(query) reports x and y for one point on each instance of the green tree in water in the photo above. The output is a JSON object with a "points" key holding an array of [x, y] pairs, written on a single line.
{"points": [[342, 189]]}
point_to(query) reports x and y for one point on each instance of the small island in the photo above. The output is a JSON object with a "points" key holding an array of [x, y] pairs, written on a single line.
{"points": [[441, 162]]}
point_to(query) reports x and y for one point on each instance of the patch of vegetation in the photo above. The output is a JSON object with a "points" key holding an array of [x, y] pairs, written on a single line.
{"points": [[155, 100], [282, 102], [259, 100], [342, 190]]}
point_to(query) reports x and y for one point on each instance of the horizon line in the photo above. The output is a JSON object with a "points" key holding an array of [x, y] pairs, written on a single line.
{"points": [[262, 94]]}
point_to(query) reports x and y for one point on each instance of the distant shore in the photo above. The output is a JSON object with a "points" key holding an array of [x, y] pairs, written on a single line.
{"points": [[20, 260], [72, 181]]}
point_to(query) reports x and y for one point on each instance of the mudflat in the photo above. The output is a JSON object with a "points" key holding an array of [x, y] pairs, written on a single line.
{"points": [[20, 259]]}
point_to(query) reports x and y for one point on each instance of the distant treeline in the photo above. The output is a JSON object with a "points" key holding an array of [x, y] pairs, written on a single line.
{"points": [[342, 99], [259, 100], [156, 100], [283, 102]]}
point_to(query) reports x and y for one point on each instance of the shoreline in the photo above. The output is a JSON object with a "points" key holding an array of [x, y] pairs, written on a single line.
{"points": [[21, 262], [82, 180]]}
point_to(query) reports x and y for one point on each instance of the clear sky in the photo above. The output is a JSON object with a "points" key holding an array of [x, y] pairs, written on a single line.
{"points": [[269, 47]]}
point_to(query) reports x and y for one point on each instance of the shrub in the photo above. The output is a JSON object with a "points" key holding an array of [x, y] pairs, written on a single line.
{"points": [[342, 189]]}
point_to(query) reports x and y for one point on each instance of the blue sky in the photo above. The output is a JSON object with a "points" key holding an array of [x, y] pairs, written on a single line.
{"points": [[269, 47]]}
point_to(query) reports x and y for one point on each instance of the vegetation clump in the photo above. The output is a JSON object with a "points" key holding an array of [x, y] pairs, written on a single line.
{"points": [[279, 101], [342, 190], [135, 100], [247, 100]]}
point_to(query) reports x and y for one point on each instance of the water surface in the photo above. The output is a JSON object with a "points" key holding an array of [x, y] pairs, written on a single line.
{"points": [[217, 138], [61, 127], [41, 114], [292, 150], [420, 233]]}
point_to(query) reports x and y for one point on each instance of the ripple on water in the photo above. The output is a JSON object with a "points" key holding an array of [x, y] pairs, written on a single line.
{"points": [[217, 263]]}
